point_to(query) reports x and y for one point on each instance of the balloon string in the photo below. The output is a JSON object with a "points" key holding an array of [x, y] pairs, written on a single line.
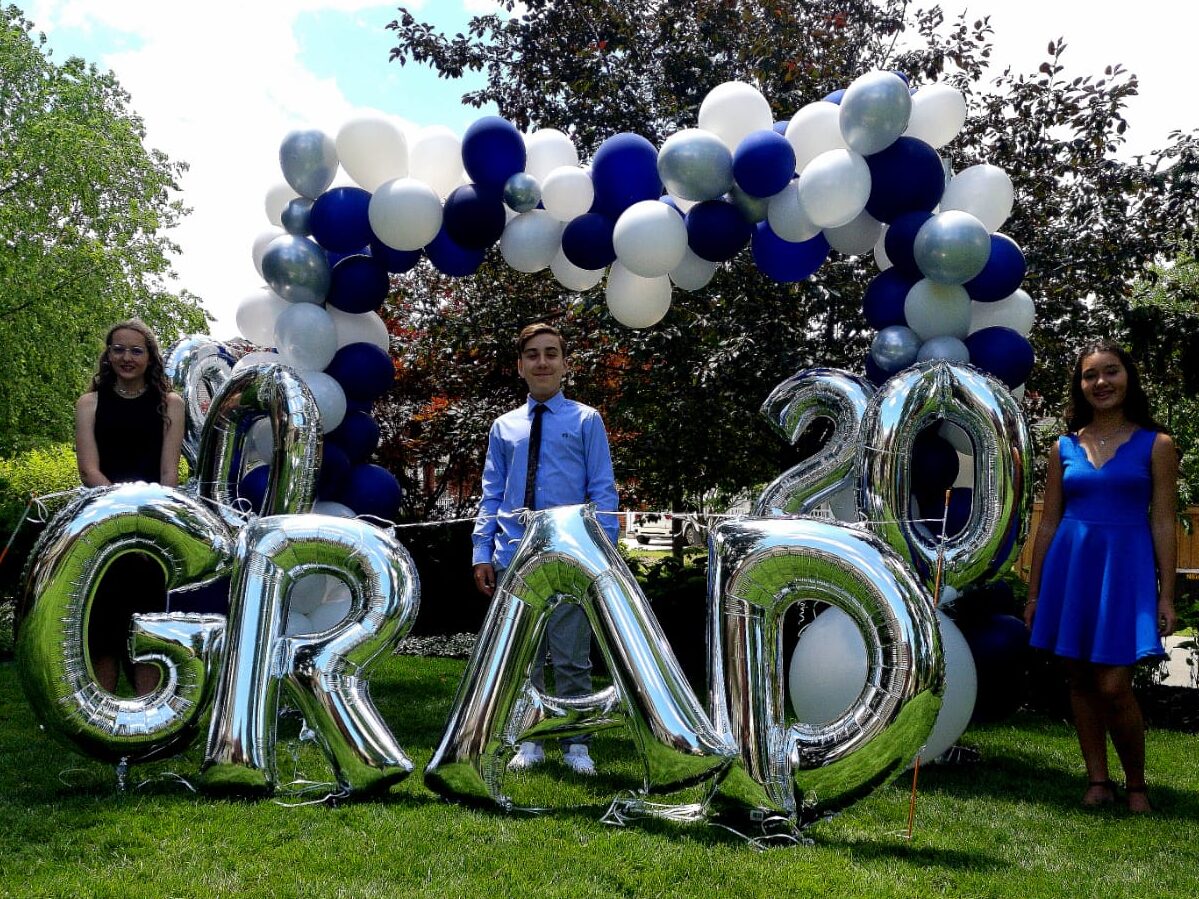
{"points": [[16, 530]]}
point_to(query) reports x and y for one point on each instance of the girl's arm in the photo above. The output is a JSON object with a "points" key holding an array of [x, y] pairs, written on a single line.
{"points": [[1051, 516], [87, 454], [1162, 511], [172, 441]]}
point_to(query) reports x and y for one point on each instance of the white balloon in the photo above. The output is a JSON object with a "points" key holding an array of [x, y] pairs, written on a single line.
{"points": [[365, 327], [938, 113], [405, 214], [815, 129], [547, 149], [298, 623], [329, 507], [330, 398], [1015, 311], [683, 204], [276, 200], [308, 592], [857, 237], [650, 239], [436, 159], [256, 358], [961, 689], [733, 110], [828, 668], [834, 188], [634, 301], [571, 276], [329, 614], [261, 242], [874, 111], [937, 310], [305, 337], [531, 240], [985, 191], [260, 443], [567, 192], [787, 216], [693, 273], [373, 150], [256, 316], [881, 259]]}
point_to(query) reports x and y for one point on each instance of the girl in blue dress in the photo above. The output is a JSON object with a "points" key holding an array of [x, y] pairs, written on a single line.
{"points": [[1101, 588]]}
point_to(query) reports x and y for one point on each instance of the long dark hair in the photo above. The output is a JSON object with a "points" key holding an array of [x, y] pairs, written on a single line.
{"points": [[1079, 412], [156, 374]]}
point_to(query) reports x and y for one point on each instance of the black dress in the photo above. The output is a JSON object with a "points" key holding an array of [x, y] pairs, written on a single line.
{"points": [[129, 435]]}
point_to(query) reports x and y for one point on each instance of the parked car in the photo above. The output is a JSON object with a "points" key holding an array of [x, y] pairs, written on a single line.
{"points": [[647, 526]]}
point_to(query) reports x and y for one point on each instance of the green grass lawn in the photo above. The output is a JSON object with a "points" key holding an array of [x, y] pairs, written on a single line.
{"points": [[1008, 826]]}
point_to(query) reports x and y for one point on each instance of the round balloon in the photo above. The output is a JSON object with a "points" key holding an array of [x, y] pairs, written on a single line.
{"points": [[961, 686], [567, 192], [938, 113], [436, 161], [874, 111], [571, 276], [1003, 353], [1001, 275], [899, 242], [813, 130], [330, 398], [763, 163], [857, 237], [358, 284], [733, 110], [522, 192], [296, 269], [693, 272], [894, 348], [531, 241], [340, 221], [716, 231], [784, 261], [305, 337], [492, 151], [473, 217], [405, 214], [276, 200], [451, 258], [624, 171], [884, 299], [650, 239], [295, 217], [787, 216], [834, 188], [985, 191], [952, 247], [364, 371], [373, 150], [905, 177], [828, 667], [695, 165], [587, 242], [372, 490], [1015, 311], [634, 301], [256, 315], [357, 435], [309, 161], [937, 310], [547, 149]]}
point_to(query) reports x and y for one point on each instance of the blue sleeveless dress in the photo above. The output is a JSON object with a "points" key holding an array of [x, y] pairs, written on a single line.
{"points": [[1098, 598]]}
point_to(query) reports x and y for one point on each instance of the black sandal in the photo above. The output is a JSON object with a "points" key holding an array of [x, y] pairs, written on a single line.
{"points": [[1109, 785], [1143, 790]]}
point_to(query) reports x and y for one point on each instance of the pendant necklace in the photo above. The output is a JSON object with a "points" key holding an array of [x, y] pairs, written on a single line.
{"points": [[128, 394]]}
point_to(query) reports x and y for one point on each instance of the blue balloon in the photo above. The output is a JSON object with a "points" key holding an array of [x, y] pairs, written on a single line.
{"points": [[1002, 274], [672, 203], [935, 464], [905, 177], [357, 435], [763, 163], [335, 471], [364, 371], [900, 243], [372, 490], [624, 171], [834, 96], [252, 486], [874, 372], [335, 258], [473, 217], [780, 128], [451, 258], [1003, 353], [587, 241], [716, 230], [395, 261], [338, 219], [960, 501], [358, 284], [884, 298], [353, 405], [492, 151], [784, 261]]}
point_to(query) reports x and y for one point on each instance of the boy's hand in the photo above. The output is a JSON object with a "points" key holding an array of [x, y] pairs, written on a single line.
{"points": [[485, 578]]}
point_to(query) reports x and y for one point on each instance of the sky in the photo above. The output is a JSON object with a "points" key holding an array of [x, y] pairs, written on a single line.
{"points": [[221, 83]]}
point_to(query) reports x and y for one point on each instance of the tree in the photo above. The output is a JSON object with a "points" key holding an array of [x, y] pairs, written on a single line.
{"points": [[83, 208], [682, 396]]}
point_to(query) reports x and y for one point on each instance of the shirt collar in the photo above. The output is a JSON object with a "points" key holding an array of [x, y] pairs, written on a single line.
{"points": [[554, 403]]}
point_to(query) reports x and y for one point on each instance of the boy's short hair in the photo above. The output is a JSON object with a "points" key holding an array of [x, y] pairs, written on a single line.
{"points": [[528, 332]]}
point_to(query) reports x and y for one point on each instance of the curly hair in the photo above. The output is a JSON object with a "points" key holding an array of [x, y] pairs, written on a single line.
{"points": [[1079, 412], [156, 376]]}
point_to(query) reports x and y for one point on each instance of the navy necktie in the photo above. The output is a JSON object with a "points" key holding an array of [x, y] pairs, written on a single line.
{"points": [[534, 456]]}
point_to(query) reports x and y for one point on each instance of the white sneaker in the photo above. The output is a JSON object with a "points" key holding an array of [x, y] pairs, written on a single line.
{"points": [[578, 759], [528, 756]]}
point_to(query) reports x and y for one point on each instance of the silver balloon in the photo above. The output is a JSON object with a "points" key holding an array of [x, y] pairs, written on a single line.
{"points": [[760, 567], [308, 159], [197, 367], [566, 557], [194, 547], [324, 674], [952, 247], [522, 192], [274, 391], [874, 111], [895, 348], [948, 348], [296, 269], [791, 408], [752, 209], [695, 165], [295, 216], [935, 392]]}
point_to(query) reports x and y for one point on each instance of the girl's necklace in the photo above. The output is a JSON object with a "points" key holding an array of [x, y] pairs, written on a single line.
{"points": [[1110, 435], [128, 394]]}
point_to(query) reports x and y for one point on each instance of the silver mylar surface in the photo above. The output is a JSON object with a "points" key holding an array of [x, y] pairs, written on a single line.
{"points": [[522, 193], [308, 158], [325, 674], [297, 269], [566, 557], [197, 367], [277, 392], [758, 568], [194, 547], [791, 408], [695, 165], [990, 417]]}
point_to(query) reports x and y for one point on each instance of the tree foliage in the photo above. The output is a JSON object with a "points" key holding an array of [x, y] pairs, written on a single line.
{"points": [[83, 208], [681, 398]]}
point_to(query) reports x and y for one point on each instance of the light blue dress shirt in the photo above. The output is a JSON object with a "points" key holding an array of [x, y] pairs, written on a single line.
{"points": [[575, 467]]}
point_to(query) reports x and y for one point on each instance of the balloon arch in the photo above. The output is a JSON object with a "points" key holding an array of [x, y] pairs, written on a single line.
{"points": [[315, 598]]}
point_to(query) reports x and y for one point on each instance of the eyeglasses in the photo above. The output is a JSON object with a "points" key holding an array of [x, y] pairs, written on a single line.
{"points": [[116, 351]]}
